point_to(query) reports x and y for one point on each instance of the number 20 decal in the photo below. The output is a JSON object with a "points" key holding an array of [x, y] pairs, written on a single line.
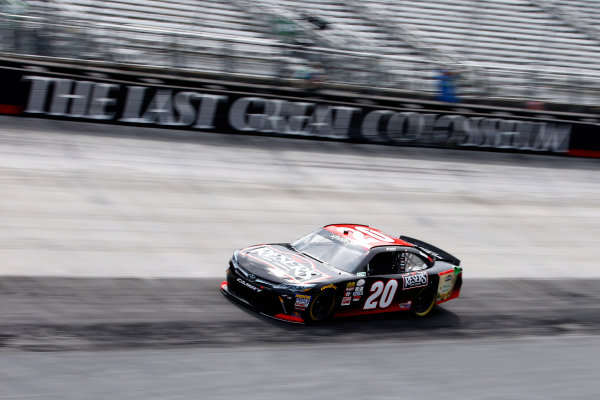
{"points": [[386, 291]]}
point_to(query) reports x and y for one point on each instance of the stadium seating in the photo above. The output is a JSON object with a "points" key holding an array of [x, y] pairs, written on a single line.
{"points": [[202, 32], [508, 43], [186, 15], [351, 30], [507, 32], [581, 11]]}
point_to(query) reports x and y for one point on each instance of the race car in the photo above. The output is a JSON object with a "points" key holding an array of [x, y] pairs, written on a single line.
{"points": [[342, 270]]}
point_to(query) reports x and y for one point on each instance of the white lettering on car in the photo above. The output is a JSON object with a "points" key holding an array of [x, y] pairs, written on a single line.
{"points": [[383, 294], [415, 280]]}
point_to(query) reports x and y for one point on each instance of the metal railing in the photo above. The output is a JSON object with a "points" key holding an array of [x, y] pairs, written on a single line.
{"points": [[269, 58]]}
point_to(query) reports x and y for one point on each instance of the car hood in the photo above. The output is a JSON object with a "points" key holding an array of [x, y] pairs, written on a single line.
{"points": [[282, 264]]}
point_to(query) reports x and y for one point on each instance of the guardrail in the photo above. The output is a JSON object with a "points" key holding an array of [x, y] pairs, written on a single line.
{"points": [[269, 58]]}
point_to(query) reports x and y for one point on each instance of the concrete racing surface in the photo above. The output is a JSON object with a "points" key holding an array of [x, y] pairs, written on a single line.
{"points": [[113, 241], [84, 199]]}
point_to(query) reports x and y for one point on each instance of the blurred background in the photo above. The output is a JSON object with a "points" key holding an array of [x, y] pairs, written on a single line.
{"points": [[528, 52], [114, 238]]}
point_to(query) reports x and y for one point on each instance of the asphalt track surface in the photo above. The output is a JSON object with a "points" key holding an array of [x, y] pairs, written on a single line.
{"points": [[113, 242], [44, 314], [180, 338]]}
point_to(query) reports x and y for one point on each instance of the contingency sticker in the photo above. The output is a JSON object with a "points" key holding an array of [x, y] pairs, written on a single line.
{"points": [[357, 293], [302, 301], [446, 285]]}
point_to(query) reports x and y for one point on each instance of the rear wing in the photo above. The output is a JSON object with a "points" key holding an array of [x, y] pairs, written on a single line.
{"points": [[435, 252]]}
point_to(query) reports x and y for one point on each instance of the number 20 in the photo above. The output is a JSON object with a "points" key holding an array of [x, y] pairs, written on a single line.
{"points": [[386, 292]]}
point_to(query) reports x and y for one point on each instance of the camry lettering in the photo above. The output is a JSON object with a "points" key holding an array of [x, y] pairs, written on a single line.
{"points": [[248, 285]]}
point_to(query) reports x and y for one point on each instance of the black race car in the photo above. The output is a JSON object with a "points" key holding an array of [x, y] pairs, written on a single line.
{"points": [[342, 270]]}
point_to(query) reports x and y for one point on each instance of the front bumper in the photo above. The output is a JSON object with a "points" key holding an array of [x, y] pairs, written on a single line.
{"points": [[279, 316], [260, 295]]}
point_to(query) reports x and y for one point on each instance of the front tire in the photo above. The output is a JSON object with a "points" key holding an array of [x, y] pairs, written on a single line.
{"points": [[322, 306], [424, 303]]}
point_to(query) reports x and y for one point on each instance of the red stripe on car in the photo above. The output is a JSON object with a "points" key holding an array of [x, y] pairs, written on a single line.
{"points": [[10, 109], [289, 318], [584, 153]]}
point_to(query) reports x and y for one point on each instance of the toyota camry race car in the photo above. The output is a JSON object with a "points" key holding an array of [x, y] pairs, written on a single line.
{"points": [[342, 270]]}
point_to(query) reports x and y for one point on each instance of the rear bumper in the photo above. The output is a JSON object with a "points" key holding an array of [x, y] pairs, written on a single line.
{"points": [[278, 316], [455, 290]]}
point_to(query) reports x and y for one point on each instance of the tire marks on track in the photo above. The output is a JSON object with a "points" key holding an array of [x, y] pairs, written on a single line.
{"points": [[49, 314]]}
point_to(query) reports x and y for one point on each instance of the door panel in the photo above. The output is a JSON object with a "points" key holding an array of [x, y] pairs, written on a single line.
{"points": [[373, 294]]}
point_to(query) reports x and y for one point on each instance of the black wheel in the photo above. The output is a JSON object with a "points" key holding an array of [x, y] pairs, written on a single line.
{"points": [[424, 302], [322, 305]]}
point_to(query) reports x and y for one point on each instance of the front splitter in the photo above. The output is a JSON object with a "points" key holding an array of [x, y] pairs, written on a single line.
{"points": [[280, 317]]}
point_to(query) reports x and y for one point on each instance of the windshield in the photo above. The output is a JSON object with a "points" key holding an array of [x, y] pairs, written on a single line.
{"points": [[332, 249]]}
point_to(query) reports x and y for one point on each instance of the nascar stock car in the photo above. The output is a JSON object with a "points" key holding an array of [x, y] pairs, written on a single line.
{"points": [[342, 270]]}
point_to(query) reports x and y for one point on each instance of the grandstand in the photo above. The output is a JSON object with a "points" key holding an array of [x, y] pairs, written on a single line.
{"points": [[499, 33], [544, 50]]}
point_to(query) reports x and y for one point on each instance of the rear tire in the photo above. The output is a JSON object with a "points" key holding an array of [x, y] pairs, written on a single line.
{"points": [[322, 306], [424, 302]]}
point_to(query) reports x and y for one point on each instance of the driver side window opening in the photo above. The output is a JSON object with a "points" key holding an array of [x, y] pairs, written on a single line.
{"points": [[386, 263], [395, 262]]}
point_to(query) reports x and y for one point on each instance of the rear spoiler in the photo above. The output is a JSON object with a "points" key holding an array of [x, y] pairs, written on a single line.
{"points": [[437, 253]]}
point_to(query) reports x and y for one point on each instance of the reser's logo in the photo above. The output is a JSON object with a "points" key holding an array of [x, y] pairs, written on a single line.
{"points": [[289, 265], [414, 280]]}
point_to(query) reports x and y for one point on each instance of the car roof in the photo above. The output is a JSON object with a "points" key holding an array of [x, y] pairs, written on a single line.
{"points": [[365, 235]]}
